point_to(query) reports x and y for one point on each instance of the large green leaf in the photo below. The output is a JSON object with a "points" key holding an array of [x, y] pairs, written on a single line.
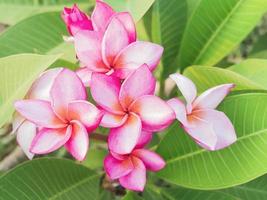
{"points": [[137, 8], [168, 21], [131, 196], [216, 27], [17, 74], [256, 190], [16, 10], [207, 77], [187, 194], [40, 33], [253, 69], [190, 166], [49, 178]]}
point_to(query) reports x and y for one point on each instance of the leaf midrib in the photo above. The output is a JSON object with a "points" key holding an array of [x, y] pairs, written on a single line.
{"points": [[194, 153], [55, 196], [217, 31]]}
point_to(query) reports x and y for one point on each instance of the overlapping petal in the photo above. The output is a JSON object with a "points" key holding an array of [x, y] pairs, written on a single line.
{"points": [[111, 120], [212, 97], [48, 140], [144, 139], [117, 168], [212, 129], [41, 87], [101, 16], [67, 87], [187, 88], [123, 139], [136, 179], [179, 108], [105, 91], [128, 22], [114, 40], [88, 49], [39, 112], [155, 113], [78, 143], [86, 113], [25, 135], [85, 75], [140, 82], [151, 160], [138, 53]]}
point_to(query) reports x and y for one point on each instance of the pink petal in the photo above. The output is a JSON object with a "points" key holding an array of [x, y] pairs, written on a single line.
{"points": [[86, 113], [136, 179], [155, 113], [17, 122], [101, 16], [117, 168], [41, 87], [179, 108], [67, 87], [119, 156], [187, 88], [128, 22], [144, 139], [25, 135], [114, 40], [111, 120], [48, 140], [88, 49], [39, 112], [211, 129], [139, 83], [212, 97], [78, 143], [85, 75], [105, 91], [136, 54], [151, 160], [76, 20], [123, 139]]}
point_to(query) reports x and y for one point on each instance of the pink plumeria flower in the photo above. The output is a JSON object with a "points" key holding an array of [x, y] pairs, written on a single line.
{"points": [[76, 20], [130, 107], [131, 169], [211, 129], [66, 120], [25, 129], [112, 48]]}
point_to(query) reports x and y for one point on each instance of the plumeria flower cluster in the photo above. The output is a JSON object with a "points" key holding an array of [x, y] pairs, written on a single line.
{"points": [[118, 71]]}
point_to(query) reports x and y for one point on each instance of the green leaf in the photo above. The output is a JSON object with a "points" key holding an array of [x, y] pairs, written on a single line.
{"points": [[207, 77], [17, 10], [190, 166], [41, 34], [131, 196], [17, 74], [255, 189], [253, 69], [186, 194], [137, 8], [167, 26], [216, 28], [49, 178]]}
